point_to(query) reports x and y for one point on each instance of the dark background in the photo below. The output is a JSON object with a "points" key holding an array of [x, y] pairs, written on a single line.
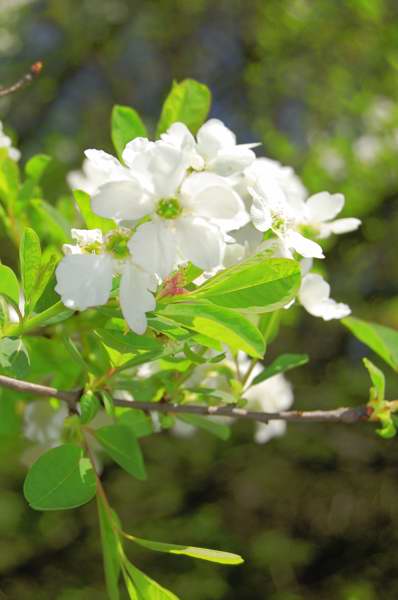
{"points": [[315, 514]]}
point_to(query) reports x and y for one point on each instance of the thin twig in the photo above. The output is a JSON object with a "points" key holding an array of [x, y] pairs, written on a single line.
{"points": [[337, 415], [34, 71]]}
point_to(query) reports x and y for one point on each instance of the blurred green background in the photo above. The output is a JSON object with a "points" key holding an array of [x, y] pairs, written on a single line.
{"points": [[315, 514]]}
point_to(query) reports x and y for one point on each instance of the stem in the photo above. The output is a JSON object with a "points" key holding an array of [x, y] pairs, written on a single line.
{"points": [[337, 415], [16, 329], [34, 71]]}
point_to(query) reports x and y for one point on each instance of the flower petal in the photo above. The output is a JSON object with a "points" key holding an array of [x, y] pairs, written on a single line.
{"points": [[153, 247], [265, 432], [339, 226], [314, 295], [200, 242], [212, 137], [302, 245], [104, 163], [208, 195], [232, 160], [135, 296], [324, 206], [84, 280], [121, 200]]}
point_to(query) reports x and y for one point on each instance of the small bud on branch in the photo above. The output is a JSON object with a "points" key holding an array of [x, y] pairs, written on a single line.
{"points": [[34, 72]]}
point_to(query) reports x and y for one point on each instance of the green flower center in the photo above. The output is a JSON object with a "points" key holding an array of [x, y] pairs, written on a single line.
{"points": [[116, 244], [168, 208]]}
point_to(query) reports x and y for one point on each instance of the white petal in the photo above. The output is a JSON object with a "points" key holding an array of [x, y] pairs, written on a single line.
{"points": [[136, 153], [303, 245], [84, 280], [200, 242], [261, 214], [121, 200], [103, 162], [233, 160], [135, 296], [208, 195], [265, 432], [212, 137], [167, 168], [340, 226], [153, 247], [324, 206], [314, 295]]}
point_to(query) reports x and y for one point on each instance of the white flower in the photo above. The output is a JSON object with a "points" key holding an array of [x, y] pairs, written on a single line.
{"points": [[291, 185], [5, 142], [189, 214], [320, 211], [84, 276], [270, 210], [215, 150], [272, 395], [88, 179], [314, 295]]}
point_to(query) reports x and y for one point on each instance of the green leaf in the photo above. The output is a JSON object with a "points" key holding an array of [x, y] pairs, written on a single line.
{"points": [[129, 342], [269, 325], [382, 340], [137, 421], [14, 358], [126, 125], [220, 430], [188, 102], [9, 285], [259, 284], [74, 353], [61, 478], [122, 446], [377, 377], [30, 261], [89, 407], [217, 556], [9, 180], [91, 220], [283, 363], [110, 550], [222, 324], [56, 223], [36, 166], [147, 588]]}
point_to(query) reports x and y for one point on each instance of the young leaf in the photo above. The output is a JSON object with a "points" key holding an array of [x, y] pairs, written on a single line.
{"points": [[126, 125], [110, 550], [9, 285], [137, 421], [36, 166], [91, 220], [283, 363], [222, 324], [377, 378], [217, 556], [89, 407], [61, 478], [30, 261], [122, 446], [147, 588], [220, 430], [259, 284], [188, 102], [382, 340]]}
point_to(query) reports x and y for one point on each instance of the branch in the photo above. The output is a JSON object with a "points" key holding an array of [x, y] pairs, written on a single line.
{"points": [[338, 415], [34, 72]]}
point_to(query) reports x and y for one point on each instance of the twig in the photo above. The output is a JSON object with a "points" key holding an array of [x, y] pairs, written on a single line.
{"points": [[34, 72], [337, 415]]}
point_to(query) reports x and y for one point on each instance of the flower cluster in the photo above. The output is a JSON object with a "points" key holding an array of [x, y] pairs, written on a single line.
{"points": [[205, 200], [6, 143]]}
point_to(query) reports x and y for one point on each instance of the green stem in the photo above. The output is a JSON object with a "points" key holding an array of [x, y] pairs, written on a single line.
{"points": [[16, 329]]}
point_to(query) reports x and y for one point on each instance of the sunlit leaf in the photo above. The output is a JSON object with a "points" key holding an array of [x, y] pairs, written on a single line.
{"points": [[126, 125], [188, 102]]}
